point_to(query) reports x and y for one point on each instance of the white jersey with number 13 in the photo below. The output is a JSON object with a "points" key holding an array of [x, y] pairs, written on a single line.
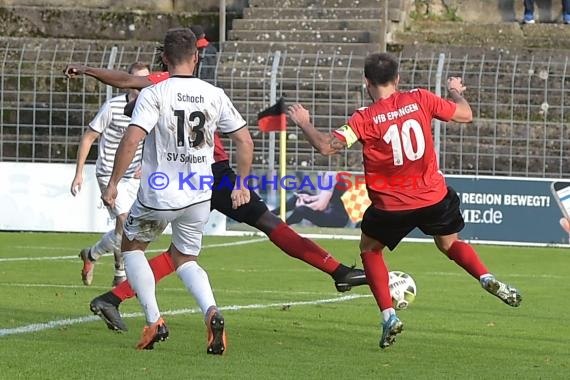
{"points": [[180, 116]]}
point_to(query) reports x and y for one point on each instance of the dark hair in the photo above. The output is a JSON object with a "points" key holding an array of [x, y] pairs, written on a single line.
{"points": [[179, 45], [137, 66], [197, 30], [380, 69]]}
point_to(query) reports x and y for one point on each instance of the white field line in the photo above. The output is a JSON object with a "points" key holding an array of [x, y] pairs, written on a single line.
{"points": [[504, 277], [74, 257], [36, 327], [161, 289]]}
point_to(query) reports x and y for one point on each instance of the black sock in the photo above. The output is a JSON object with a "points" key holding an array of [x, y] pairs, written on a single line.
{"points": [[90, 257]]}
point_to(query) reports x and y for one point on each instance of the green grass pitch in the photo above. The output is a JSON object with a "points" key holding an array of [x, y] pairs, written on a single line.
{"points": [[284, 319]]}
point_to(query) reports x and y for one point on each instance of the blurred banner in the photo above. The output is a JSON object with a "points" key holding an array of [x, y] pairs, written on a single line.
{"points": [[507, 209], [496, 209], [37, 197]]}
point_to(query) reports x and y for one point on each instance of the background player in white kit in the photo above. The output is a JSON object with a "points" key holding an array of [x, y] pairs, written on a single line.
{"points": [[109, 125], [178, 117]]}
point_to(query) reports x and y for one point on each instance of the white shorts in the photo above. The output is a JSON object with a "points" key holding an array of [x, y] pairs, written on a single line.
{"points": [[126, 194], [144, 224]]}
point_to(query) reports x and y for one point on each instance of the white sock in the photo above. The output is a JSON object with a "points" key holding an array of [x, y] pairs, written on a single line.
{"points": [[119, 262], [484, 276], [120, 272], [104, 245], [142, 281], [196, 280], [386, 313]]}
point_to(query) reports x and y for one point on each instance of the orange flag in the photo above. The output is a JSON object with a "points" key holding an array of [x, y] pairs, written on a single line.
{"points": [[356, 201]]}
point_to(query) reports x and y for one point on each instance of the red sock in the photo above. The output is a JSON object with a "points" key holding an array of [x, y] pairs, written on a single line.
{"points": [[303, 249], [466, 257], [378, 278], [161, 266]]}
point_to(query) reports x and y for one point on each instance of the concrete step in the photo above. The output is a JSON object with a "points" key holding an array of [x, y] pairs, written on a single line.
{"points": [[322, 87], [312, 13], [305, 36], [482, 52], [317, 3], [293, 24], [300, 47], [243, 60], [76, 22], [294, 73], [336, 97], [16, 114], [501, 35], [39, 53]]}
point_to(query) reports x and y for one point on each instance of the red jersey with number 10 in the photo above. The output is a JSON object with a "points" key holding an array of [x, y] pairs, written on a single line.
{"points": [[220, 153], [399, 158]]}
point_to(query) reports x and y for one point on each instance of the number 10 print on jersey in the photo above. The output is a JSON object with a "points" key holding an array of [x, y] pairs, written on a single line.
{"points": [[403, 139], [395, 133]]}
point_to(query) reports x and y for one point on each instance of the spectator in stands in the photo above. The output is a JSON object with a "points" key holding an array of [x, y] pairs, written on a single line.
{"points": [[206, 69], [529, 12]]}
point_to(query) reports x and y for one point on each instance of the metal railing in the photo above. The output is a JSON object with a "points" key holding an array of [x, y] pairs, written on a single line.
{"points": [[521, 126]]}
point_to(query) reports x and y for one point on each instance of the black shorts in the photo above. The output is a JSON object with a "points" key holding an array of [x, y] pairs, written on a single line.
{"points": [[248, 213], [390, 227]]}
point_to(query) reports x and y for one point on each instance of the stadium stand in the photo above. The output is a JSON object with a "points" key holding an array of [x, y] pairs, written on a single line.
{"points": [[516, 80]]}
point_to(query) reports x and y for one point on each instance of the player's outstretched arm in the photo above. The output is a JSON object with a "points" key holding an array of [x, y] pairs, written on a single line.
{"points": [[244, 147], [463, 113], [326, 144], [88, 138], [115, 78]]}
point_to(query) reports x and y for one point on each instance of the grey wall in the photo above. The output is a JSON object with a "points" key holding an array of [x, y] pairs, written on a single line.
{"points": [[158, 5]]}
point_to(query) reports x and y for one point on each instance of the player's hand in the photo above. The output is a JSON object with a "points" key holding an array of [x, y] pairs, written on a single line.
{"points": [[72, 70], [240, 197], [109, 195], [76, 184], [299, 115], [456, 83]]}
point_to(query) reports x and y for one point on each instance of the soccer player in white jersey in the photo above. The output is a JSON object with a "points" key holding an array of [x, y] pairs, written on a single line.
{"points": [[109, 125], [177, 118]]}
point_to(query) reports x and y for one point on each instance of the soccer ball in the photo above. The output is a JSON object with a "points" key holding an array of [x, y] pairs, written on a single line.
{"points": [[402, 289]]}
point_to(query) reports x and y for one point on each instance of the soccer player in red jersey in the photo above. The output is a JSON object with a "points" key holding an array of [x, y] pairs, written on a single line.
{"points": [[254, 213], [397, 143]]}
